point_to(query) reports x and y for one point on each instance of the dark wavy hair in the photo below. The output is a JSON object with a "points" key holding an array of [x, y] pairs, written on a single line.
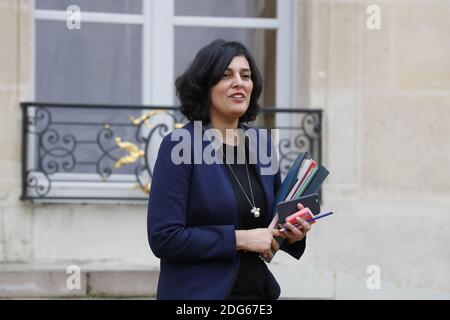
{"points": [[194, 85]]}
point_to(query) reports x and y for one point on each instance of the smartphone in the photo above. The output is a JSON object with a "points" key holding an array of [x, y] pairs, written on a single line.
{"points": [[287, 208]]}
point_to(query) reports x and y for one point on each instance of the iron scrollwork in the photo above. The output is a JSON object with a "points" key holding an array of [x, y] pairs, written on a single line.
{"points": [[305, 138], [65, 141]]}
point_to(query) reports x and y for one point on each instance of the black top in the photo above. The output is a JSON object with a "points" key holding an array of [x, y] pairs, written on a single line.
{"points": [[251, 276]]}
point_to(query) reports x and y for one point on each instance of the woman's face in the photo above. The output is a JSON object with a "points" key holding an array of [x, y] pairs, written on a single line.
{"points": [[230, 97]]}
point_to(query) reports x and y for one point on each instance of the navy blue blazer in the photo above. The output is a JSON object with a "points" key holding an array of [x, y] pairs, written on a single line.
{"points": [[192, 217]]}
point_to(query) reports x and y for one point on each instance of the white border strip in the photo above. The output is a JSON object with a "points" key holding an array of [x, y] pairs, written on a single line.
{"points": [[146, 98], [57, 15], [162, 52], [221, 22], [32, 60], [284, 57]]}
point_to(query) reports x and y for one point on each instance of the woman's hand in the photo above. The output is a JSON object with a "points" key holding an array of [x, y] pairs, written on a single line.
{"points": [[259, 240], [294, 234]]}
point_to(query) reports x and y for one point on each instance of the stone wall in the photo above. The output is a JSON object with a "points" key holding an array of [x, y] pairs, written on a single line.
{"points": [[386, 100]]}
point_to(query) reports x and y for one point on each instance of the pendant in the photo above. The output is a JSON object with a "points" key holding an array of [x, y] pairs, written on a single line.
{"points": [[255, 212]]}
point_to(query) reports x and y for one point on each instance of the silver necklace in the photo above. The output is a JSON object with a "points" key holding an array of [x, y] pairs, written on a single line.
{"points": [[254, 210]]}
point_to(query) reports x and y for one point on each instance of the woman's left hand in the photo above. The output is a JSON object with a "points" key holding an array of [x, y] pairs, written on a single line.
{"points": [[294, 234]]}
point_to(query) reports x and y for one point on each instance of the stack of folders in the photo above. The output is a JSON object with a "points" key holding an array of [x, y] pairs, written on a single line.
{"points": [[305, 177]]}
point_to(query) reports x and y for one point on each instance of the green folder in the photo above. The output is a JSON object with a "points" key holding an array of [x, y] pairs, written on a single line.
{"points": [[289, 181]]}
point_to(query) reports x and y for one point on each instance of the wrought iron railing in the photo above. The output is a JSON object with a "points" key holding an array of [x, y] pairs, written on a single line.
{"points": [[105, 152]]}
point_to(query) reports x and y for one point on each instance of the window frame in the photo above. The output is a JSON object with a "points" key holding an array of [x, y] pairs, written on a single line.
{"points": [[158, 21]]}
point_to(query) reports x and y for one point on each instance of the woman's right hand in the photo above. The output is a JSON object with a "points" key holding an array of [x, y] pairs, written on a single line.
{"points": [[259, 240]]}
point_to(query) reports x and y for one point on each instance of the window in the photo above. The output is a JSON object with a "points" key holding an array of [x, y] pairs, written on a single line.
{"points": [[129, 52]]}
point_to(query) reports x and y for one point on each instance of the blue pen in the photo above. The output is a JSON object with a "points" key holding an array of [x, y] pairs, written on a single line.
{"points": [[310, 220]]}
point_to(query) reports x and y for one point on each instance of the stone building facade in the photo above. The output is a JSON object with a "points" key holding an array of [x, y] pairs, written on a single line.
{"points": [[385, 94]]}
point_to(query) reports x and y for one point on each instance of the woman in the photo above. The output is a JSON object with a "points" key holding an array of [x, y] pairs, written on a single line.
{"points": [[208, 222]]}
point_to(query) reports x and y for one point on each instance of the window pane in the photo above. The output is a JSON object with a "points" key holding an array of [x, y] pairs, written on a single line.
{"points": [[229, 8], [110, 6], [99, 63], [261, 43]]}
